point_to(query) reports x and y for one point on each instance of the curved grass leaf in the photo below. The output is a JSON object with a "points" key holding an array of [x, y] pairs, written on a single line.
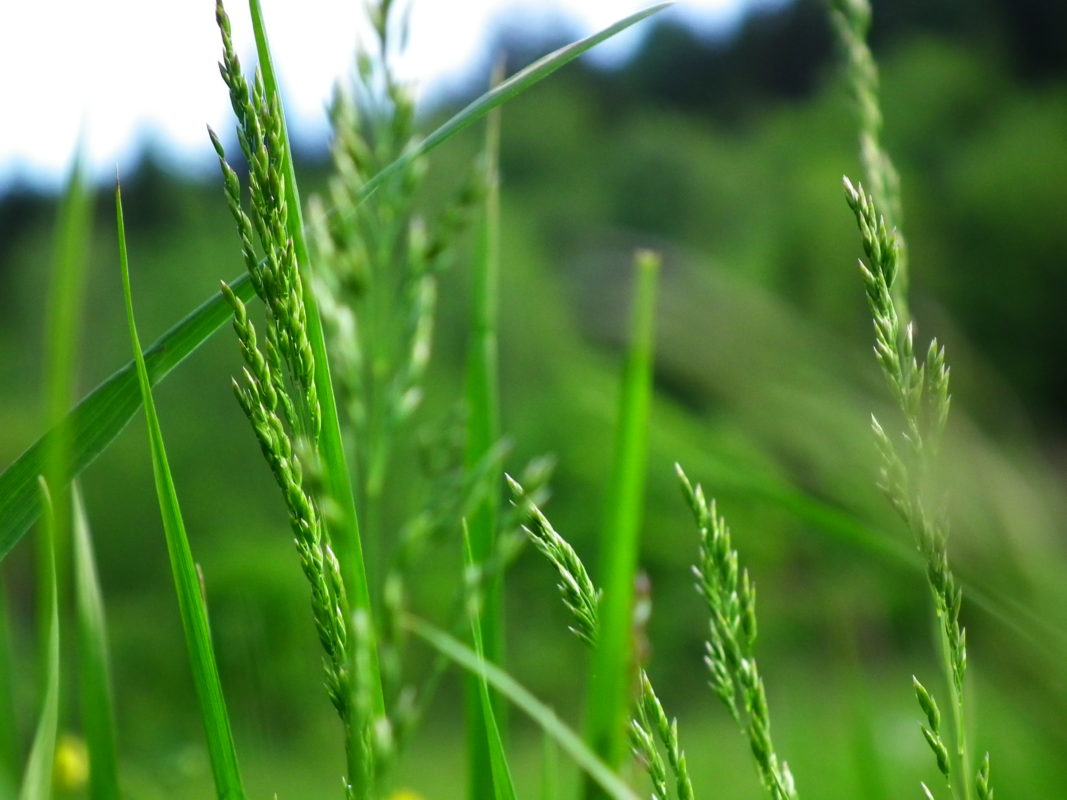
{"points": [[545, 717], [191, 606], [95, 422], [512, 87]]}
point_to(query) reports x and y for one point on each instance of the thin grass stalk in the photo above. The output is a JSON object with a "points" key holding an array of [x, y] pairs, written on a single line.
{"points": [[64, 315], [191, 607], [37, 779], [94, 670], [499, 784], [101, 416], [612, 666], [483, 433], [9, 745]]}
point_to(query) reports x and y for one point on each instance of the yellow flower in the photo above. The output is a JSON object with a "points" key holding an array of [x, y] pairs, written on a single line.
{"points": [[405, 794]]}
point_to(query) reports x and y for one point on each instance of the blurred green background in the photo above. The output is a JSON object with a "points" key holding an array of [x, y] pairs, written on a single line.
{"points": [[726, 154]]}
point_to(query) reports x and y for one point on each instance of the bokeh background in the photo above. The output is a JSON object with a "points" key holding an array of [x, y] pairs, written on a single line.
{"points": [[723, 148]]}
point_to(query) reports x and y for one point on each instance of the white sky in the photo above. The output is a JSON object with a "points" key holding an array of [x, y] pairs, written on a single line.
{"points": [[120, 71]]}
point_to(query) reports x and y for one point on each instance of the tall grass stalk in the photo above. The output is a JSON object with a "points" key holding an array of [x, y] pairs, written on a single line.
{"points": [[191, 603], [483, 434], [94, 670], [612, 671], [64, 313], [37, 778], [10, 765], [500, 784]]}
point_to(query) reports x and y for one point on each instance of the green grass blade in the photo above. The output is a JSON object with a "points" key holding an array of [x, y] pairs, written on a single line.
{"points": [[498, 783], [64, 314], [191, 606], [612, 663], [98, 715], [335, 472], [37, 779], [512, 87], [9, 747], [544, 716], [103, 413], [483, 433]]}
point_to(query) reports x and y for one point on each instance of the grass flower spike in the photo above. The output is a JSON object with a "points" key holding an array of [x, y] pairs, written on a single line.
{"points": [[731, 598]]}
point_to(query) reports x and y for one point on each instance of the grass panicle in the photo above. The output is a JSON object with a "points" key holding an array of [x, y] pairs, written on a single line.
{"points": [[191, 605], [576, 587], [851, 20], [909, 456], [730, 597], [650, 723], [279, 394]]}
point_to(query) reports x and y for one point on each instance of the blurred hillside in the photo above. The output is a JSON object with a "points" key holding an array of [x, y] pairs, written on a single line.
{"points": [[725, 154]]}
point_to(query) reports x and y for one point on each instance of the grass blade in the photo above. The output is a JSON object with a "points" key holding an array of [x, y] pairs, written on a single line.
{"points": [[544, 716], [9, 748], [102, 415], [512, 87], [98, 715], [66, 294], [498, 783], [612, 663], [37, 779], [483, 433], [221, 748]]}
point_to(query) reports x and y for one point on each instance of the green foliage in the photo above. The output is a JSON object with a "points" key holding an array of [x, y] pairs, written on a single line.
{"points": [[760, 387]]}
